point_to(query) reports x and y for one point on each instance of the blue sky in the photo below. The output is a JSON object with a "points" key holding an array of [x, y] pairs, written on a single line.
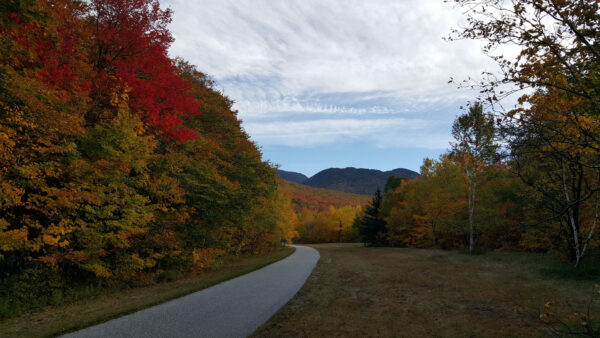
{"points": [[322, 84]]}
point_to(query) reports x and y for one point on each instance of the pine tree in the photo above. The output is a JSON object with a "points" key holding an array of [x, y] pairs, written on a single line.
{"points": [[371, 226]]}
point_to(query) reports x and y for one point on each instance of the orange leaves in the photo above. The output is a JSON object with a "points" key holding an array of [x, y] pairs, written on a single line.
{"points": [[55, 234], [50, 240], [205, 258], [11, 240], [318, 199], [10, 195]]}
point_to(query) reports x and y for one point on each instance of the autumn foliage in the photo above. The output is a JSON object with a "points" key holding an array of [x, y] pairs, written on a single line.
{"points": [[322, 215], [526, 178], [118, 164]]}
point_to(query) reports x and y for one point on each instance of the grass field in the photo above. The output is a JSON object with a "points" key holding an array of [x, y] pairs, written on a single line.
{"points": [[62, 319], [356, 291]]}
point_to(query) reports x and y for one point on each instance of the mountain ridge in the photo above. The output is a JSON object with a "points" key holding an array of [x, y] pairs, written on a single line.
{"points": [[350, 179], [292, 176]]}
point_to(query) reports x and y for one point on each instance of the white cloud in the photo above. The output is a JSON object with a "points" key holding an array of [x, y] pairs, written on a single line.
{"points": [[275, 59], [291, 106], [384, 132]]}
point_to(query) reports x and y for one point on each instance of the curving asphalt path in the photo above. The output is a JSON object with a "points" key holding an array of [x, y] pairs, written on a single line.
{"points": [[234, 308]]}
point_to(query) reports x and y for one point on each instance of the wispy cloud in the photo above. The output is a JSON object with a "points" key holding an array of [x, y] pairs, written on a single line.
{"points": [[328, 71], [383, 132]]}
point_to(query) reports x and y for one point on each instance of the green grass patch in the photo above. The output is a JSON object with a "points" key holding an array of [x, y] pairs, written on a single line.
{"points": [[65, 318], [589, 269]]}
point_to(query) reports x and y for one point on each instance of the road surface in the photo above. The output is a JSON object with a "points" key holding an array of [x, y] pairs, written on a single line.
{"points": [[234, 308]]}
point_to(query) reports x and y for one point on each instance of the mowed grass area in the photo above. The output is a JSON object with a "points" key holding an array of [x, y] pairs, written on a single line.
{"points": [[390, 292], [57, 320]]}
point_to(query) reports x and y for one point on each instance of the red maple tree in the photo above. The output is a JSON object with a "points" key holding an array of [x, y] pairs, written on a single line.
{"points": [[131, 42]]}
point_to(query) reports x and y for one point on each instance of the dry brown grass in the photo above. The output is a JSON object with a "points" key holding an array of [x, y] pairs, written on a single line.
{"points": [[62, 319], [357, 292]]}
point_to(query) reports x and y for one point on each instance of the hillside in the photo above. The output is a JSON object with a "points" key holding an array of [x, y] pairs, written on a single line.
{"points": [[292, 176], [355, 180], [320, 199]]}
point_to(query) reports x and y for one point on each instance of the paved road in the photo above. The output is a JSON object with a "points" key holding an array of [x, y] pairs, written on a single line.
{"points": [[234, 308]]}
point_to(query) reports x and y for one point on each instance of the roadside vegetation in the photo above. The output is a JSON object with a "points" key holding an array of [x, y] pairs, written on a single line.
{"points": [[119, 166], [101, 305]]}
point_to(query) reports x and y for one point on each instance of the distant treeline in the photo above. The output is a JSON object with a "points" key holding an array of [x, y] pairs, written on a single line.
{"points": [[322, 215]]}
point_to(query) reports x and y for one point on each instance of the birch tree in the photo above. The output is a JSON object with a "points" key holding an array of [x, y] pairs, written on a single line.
{"points": [[567, 190], [474, 132], [555, 74]]}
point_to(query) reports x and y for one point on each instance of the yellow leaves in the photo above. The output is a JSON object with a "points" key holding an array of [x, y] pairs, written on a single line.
{"points": [[548, 314], [53, 235], [62, 228], [205, 258], [50, 240], [134, 263], [98, 270], [10, 195], [12, 239], [571, 323], [335, 225], [120, 97], [3, 224]]}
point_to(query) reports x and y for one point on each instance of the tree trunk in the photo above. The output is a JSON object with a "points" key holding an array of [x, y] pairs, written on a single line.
{"points": [[433, 235], [571, 219], [471, 199]]}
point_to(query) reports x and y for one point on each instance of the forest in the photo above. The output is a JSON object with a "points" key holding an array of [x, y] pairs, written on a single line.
{"points": [[121, 166], [118, 164], [320, 215], [525, 178]]}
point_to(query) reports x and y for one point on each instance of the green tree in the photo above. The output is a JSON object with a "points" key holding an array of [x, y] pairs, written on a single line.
{"points": [[392, 184], [371, 226]]}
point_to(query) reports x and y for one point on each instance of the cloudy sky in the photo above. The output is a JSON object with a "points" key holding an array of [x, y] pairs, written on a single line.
{"points": [[334, 83]]}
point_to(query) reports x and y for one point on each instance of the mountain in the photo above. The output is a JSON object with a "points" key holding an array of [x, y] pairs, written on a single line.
{"points": [[292, 176], [356, 180], [320, 199]]}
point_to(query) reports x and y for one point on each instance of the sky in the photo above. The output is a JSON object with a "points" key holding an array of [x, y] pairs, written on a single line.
{"points": [[334, 83]]}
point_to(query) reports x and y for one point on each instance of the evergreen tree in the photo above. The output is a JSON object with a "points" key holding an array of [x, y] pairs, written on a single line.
{"points": [[393, 182], [371, 226]]}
